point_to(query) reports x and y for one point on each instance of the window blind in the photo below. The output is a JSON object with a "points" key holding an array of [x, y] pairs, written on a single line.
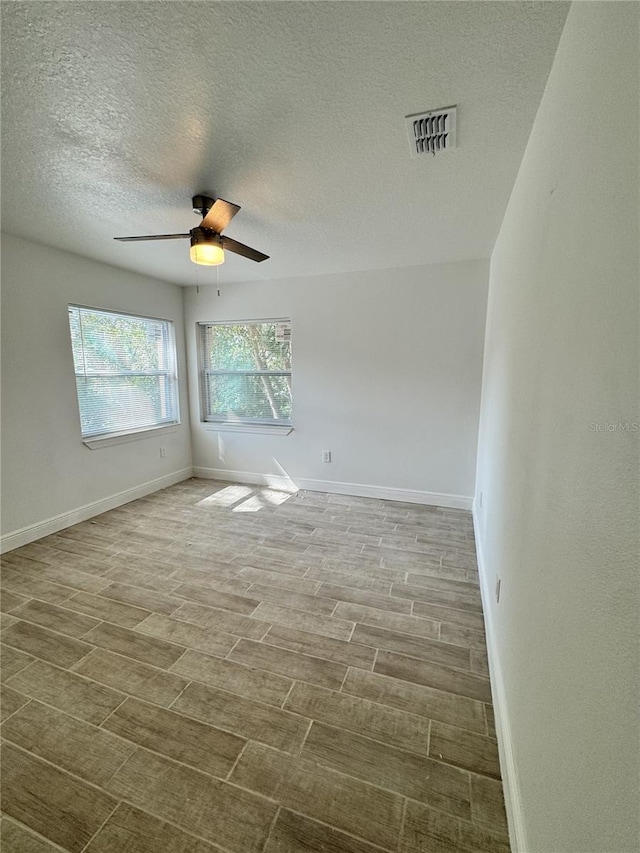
{"points": [[125, 369], [246, 372]]}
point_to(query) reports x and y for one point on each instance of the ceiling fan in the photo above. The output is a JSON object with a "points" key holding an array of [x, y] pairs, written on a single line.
{"points": [[207, 243]]}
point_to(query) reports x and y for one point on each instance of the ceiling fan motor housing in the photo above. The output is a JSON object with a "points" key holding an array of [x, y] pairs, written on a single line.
{"points": [[204, 235], [202, 204]]}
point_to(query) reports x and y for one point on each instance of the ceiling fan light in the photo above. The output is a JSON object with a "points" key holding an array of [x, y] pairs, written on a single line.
{"points": [[206, 253]]}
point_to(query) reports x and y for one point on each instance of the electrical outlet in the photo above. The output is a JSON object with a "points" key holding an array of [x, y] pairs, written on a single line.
{"points": [[498, 586], [163, 452], [326, 456]]}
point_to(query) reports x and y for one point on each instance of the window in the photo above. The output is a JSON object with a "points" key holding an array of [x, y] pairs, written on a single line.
{"points": [[246, 372], [125, 371]]}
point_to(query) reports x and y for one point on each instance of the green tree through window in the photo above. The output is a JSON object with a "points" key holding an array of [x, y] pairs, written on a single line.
{"points": [[246, 373], [125, 371]]}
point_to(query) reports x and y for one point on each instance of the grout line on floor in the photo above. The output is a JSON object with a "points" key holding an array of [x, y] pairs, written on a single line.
{"points": [[21, 708], [61, 769], [298, 753], [375, 661], [173, 701], [359, 838], [403, 818], [289, 691], [345, 678], [226, 657], [237, 760], [111, 713], [271, 828]]}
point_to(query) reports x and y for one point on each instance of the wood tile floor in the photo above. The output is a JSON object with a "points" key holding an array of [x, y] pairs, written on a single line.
{"points": [[220, 667]]}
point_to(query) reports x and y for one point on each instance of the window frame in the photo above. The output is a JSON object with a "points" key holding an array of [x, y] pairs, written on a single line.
{"points": [[106, 439], [238, 423]]}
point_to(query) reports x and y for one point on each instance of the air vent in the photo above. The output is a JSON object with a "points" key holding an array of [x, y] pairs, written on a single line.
{"points": [[432, 132]]}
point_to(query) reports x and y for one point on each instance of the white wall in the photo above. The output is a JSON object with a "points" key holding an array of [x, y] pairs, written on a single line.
{"points": [[560, 515], [46, 469], [386, 375]]}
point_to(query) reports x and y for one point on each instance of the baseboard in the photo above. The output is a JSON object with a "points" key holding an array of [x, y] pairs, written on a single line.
{"points": [[335, 488], [513, 801], [32, 532], [17, 538], [276, 481]]}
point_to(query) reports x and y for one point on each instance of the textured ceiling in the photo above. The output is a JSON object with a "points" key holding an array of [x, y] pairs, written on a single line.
{"points": [[115, 113]]}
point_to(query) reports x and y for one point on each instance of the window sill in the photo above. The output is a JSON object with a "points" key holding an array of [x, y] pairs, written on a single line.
{"points": [[260, 429], [100, 441]]}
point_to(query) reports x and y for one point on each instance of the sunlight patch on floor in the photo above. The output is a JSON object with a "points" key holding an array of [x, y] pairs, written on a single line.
{"points": [[227, 496]]}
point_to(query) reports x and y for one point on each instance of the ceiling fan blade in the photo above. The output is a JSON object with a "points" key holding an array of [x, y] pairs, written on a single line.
{"points": [[230, 245], [152, 237], [220, 215]]}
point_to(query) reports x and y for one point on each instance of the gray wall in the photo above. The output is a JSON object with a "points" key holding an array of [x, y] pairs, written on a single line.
{"points": [[46, 469], [387, 367], [560, 507]]}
